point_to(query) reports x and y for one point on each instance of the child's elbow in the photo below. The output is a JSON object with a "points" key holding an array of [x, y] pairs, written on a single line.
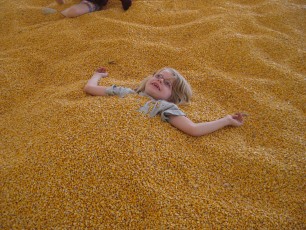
{"points": [[193, 131], [86, 89], [95, 90], [185, 125]]}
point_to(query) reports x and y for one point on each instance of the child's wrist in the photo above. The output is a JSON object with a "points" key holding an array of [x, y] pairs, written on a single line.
{"points": [[227, 120], [96, 76]]}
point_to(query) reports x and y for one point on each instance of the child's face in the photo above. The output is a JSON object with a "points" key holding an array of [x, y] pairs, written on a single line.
{"points": [[159, 86]]}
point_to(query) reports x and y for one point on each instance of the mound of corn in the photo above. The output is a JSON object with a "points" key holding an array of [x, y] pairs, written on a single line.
{"points": [[72, 161]]}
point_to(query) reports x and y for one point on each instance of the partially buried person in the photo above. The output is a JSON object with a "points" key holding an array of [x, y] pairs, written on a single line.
{"points": [[84, 7], [164, 90]]}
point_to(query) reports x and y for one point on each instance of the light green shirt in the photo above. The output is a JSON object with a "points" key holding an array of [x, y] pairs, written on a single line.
{"points": [[152, 107]]}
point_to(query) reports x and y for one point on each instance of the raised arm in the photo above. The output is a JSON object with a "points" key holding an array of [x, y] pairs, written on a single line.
{"points": [[92, 86], [199, 129]]}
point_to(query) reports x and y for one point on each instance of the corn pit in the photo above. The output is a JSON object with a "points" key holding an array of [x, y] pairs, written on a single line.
{"points": [[73, 161]]}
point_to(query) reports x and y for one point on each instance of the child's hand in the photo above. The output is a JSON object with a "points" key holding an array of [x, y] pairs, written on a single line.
{"points": [[101, 72], [236, 119]]}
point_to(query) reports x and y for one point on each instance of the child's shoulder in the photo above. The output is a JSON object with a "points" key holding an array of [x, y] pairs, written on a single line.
{"points": [[119, 90]]}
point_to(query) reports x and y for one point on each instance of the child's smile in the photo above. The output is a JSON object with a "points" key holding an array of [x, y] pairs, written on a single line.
{"points": [[156, 85]]}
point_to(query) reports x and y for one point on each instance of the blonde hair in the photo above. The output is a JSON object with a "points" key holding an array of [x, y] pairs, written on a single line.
{"points": [[181, 90]]}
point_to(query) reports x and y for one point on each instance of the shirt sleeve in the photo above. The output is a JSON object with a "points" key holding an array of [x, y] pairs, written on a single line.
{"points": [[119, 91], [164, 108], [173, 110]]}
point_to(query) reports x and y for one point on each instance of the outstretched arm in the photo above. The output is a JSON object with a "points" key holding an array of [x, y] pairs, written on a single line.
{"points": [[92, 86], [199, 129]]}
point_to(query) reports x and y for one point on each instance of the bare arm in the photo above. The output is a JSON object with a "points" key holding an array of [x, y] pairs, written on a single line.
{"points": [[92, 86], [199, 129]]}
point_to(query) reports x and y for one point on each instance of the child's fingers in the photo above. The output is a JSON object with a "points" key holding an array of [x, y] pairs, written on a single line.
{"points": [[238, 117], [241, 114], [101, 70]]}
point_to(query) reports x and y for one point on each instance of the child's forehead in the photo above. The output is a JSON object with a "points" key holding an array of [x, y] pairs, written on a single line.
{"points": [[166, 73]]}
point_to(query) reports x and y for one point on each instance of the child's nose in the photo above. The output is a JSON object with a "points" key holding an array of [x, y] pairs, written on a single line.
{"points": [[161, 80]]}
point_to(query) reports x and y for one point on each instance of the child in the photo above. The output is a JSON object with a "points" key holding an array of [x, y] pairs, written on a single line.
{"points": [[84, 7], [164, 89]]}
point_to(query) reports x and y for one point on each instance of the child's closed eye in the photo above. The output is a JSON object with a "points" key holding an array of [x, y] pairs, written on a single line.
{"points": [[168, 83]]}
